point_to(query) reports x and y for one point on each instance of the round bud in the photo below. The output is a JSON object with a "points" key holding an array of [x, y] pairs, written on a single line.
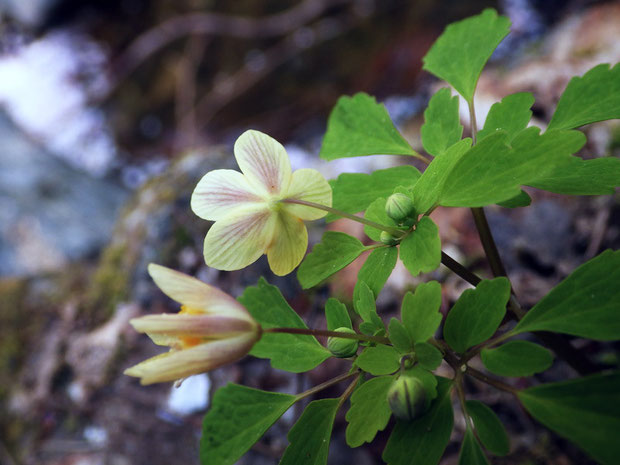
{"points": [[341, 347], [399, 207], [407, 398], [387, 238]]}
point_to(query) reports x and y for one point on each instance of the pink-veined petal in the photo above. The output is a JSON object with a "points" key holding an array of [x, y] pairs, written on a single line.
{"points": [[219, 191], [264, 161], [289, 245], [179, 364], [239, 239], [195, 294], [309, 185], [204, 326]]}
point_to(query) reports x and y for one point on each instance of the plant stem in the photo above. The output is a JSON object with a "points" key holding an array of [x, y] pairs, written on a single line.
{"points": [[325, 385], [459, 269], [393, 231], [471, 353], [326, 333], [491, 381], [345, 395], [488, 243]]}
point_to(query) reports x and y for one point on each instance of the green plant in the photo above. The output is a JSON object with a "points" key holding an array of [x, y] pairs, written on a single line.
{"points": [[395, 365]]}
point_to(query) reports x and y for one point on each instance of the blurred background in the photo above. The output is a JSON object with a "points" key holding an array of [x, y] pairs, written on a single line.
{"points": [[110, 111]]}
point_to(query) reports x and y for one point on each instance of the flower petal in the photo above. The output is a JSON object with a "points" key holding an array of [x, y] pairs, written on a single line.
{"points": [[239, 239], [220, 190], [205, 326], [195, 294], [309, 185], [179, 364], [264, 161], [289, 245]]}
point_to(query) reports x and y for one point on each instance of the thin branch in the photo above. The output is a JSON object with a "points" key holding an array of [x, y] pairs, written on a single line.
{"points": [[326, 333], [218, 24], [459, 269], [325, 385]]}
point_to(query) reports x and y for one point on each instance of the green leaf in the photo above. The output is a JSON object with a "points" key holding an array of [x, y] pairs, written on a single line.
{"points": [[366, 308], [490, 429], [427, 191], [291, 352], [574, 176], [309, 437], [585, 304], [369, 411], [471, 452], [337, 315], [517, 358], [463, 49], [359, 126], [353, 192], [423, 441], [376, 212], [335, 251], [238, 417], [420, 311], [442, 125], [477, 314], [520, 200], [511, 115], [399, 337], [420, 251], [593, 97], [492, 171], [379, 360], [585, 411], [376, 270], [428, 356]]}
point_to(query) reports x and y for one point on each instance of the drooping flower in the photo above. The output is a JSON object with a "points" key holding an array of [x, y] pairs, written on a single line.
{"points": [[250, 216], [212, 329]]}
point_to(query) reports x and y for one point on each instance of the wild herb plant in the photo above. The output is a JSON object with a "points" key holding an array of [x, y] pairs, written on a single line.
{"points": [[261, 211]]}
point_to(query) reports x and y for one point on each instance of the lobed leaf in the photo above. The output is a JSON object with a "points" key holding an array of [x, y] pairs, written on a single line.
{"points": [[359, 126], [462, 50], [335, 251], [517, 358], [477, 314], [428, 356], [337, 315], [366, 307], [428, 189], [471, 453], [369, 412], [420, 250], [309, 437], [376, 270], [379, 360], [442, 125], [489, 428], [585, 411], [291, 352], [399, 336], [420, 311], [238, 417], [595, 96], [353, 192], [511, 115], [585, 304]]}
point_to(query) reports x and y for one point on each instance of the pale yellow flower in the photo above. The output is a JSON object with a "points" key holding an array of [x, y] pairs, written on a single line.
{"points": [[250, 217], [211, 330]]}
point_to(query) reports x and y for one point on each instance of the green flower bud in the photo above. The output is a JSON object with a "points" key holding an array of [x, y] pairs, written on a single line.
{"points": [[387, 238], [407, 398], [341, 347], [399, 207]]}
